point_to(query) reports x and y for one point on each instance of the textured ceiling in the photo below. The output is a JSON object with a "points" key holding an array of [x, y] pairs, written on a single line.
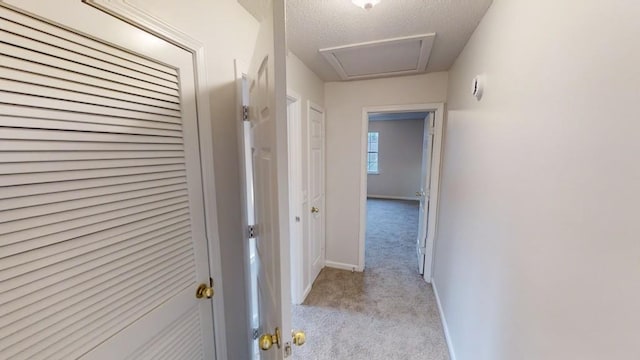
{"points": [[317, 24]]}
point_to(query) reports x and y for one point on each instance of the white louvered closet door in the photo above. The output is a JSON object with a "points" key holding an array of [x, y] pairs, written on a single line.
{"points": [[102, 235]]}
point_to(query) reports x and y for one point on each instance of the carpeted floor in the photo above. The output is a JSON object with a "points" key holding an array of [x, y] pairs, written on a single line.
{"points": [[388, 312]]}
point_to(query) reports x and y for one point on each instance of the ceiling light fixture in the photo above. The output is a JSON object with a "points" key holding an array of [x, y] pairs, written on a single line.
{"points": [[366, 4]]}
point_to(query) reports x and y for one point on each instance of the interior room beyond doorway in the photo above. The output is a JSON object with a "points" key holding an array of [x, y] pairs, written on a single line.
{"points": [[394, 155]]}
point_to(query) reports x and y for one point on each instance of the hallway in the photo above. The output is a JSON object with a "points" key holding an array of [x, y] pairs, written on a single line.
{"points": [[387, 312]]}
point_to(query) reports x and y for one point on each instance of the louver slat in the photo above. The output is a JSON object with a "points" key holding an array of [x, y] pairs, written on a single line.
{"points": [[46, 91], [86, 119], [43, 54], [56, 74], [179, 341], [85, 55]]}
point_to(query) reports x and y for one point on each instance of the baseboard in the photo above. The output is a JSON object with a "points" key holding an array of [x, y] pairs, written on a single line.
{"points": [[410, 198], [342, 266], [447, 336], [306, 293]]}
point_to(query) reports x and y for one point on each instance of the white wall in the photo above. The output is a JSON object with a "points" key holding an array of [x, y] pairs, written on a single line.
{"points": [[344, 102], [399, 159], [228, 32], [302, 82], [538, 250]]}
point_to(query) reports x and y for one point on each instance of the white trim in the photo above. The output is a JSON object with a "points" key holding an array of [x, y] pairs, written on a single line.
{"points": [[438, 109], [294, 138], [343, 266], [315, 106], [143, 20], [409, 198], [306, 293], [426, 45], [434, 193], [445, 327]]}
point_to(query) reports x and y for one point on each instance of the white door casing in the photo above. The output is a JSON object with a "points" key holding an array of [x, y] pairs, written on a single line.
{"points": [[316, 180], [437, 122], [106, 202], [437, 110], [423, 192], [269, 153], [296, 219]]}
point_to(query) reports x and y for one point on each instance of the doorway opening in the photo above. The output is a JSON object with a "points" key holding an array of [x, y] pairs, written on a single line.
{"points": [[398, 154], [400, 176]]}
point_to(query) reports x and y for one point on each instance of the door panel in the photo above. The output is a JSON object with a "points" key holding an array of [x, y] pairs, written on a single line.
{"points": [[424, 192], [316, 188], [102, 242], [267, 115], [266, 205]]}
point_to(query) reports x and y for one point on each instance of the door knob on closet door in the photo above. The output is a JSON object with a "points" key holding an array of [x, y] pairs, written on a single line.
{"points": [[204, 291], [315, 210]]}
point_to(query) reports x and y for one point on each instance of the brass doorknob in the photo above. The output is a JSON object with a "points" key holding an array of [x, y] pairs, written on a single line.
{"points": [[315, 210], [267, 340], [204, 291], [299, 337]]}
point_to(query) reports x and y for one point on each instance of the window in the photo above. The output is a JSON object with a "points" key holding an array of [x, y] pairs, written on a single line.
{"points": [[372, 153]]}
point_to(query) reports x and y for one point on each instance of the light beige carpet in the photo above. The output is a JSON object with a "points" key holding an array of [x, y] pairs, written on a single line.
{"points": [[388, 312]]}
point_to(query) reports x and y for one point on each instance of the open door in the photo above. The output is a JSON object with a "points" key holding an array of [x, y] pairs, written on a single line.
{"points": [[102, 238], [267, 116], [316, 163], [424, 193]]}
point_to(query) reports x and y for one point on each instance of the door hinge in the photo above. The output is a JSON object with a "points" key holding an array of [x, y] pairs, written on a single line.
{"points": [[252, 231], [245, 113]]}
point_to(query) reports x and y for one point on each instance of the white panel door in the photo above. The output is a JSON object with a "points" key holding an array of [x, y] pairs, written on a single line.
{"points": [[424, 193], [316, 192], [102, 235], [267, 115]]}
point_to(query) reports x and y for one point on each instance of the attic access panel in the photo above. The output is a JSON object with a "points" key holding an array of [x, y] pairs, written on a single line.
{"points": [[389, 57]]}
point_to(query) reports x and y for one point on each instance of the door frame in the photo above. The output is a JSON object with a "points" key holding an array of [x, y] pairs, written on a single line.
{"points": [[147, 22], [438, 110], [296, 218]]}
